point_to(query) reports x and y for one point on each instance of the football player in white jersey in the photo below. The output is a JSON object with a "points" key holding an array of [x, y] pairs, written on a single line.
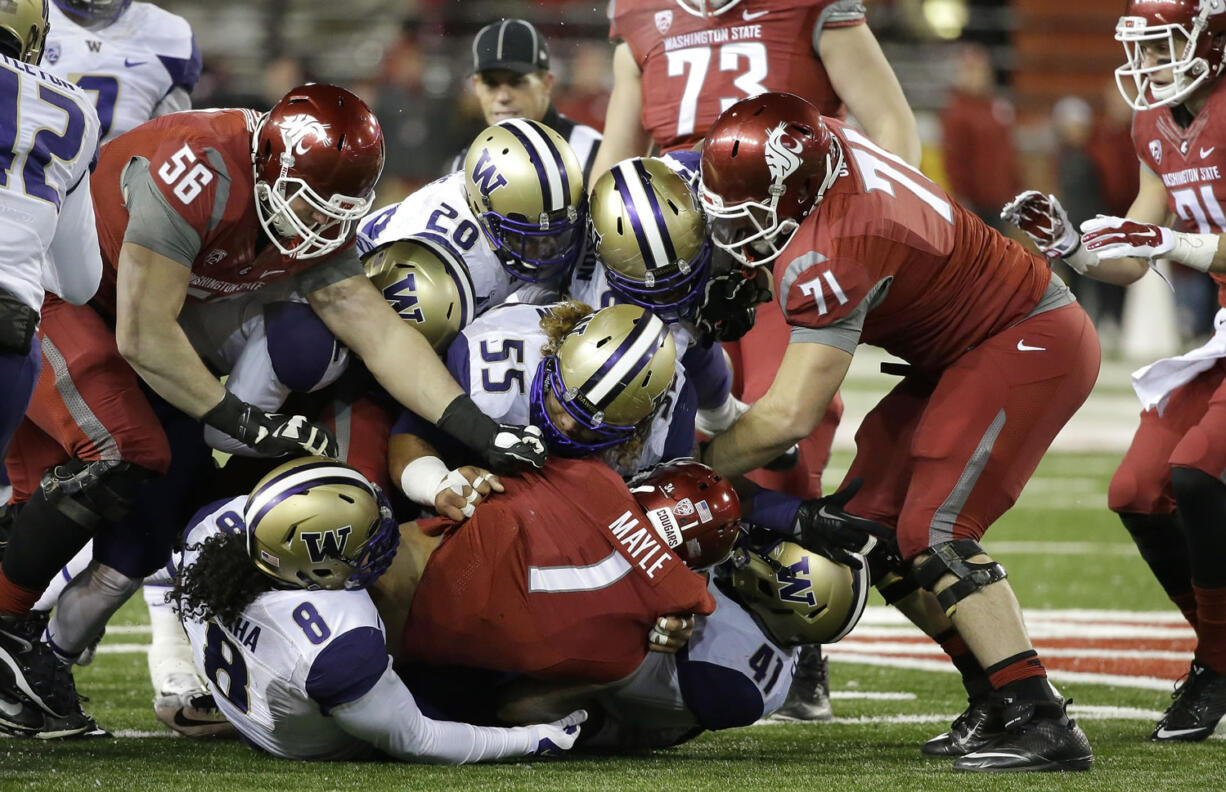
{"points": [[607, 383], [514, 170], [292, 644], [137, 60]]}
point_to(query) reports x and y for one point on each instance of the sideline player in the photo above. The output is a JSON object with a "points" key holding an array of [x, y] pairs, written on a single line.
{"points": [[1168, 490], [290, 640], [206, 225], [863, 248]]}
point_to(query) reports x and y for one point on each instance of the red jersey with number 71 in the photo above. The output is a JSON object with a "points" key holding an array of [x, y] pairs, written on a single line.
{"points": [[1191, 161], [943, 281], [200, 162], [693, 68]]}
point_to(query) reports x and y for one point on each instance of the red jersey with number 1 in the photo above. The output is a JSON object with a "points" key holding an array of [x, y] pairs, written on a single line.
{"points": [[200, 162], [1191, 161], [944, 281], [694, 67], [560, 577]]}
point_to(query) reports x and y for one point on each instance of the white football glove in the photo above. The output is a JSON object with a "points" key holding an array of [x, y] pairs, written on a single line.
{"points": [[717, 420], [554, 739], [1044, 221], [1118, 237]]}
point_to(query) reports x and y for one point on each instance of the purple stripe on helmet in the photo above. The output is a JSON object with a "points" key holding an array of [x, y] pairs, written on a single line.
{"points": [[640, 327], [534, 157], [632, 211], [658, 212], [297, 489]]}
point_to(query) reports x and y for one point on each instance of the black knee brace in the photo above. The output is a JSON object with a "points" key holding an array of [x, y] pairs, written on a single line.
{"points": [[90, 493], [1201, 503], [952, 558]]}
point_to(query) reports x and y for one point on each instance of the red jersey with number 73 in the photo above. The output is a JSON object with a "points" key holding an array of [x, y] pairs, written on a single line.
{"points": [[1191, 161], [200, 162], [941, 279], [693, 68]]}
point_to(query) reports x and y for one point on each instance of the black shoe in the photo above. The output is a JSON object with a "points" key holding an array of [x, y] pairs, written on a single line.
{"points": [[809, 697], [978, 725], [19, 717], [30, 671], [74, 725], [1200, 702], [1039, 736]]}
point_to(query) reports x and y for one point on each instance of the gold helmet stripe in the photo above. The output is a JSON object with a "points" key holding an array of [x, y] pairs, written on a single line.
{"points": [[650, 335], [548, 163]]}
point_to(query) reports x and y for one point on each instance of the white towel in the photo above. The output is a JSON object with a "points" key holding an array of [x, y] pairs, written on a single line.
{"points": [[1155, 383]]}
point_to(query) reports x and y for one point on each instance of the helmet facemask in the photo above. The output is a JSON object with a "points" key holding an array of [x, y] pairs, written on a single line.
{"points": [[93, 14], [299, 238], [541, 250], [601, 434], [1187, 71], [707, 8]]}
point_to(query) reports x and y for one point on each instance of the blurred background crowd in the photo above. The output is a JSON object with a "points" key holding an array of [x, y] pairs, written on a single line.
{"points": [[1009, 94]]}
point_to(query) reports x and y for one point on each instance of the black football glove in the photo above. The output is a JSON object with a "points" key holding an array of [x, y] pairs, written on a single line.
{"points": [[821, 526], [271, 434], [729, 306], [506, 448]]}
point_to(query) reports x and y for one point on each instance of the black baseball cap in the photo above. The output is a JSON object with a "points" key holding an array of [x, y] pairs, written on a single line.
{"points": [[512, 44]]}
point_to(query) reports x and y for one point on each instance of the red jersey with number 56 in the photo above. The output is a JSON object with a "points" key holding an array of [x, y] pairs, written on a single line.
{"points": [[694, 67], [938, 279], [559, 577], [200, 162], [1191, 161]]}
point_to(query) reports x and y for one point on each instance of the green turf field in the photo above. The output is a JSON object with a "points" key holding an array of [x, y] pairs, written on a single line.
{"points": [[883, 712]]}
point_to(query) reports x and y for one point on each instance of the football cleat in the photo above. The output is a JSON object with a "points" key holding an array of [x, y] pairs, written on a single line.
{"points": [[809, 697], [1199, 703], [1039, 736], [30, 673], [979, 724], [75, 724], [192, 713]]}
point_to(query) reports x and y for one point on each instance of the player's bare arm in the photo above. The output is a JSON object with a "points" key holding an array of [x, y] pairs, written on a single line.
{"points": [[426, 480], [807, 380], [863, 78], [624, 136], [149, 295]]}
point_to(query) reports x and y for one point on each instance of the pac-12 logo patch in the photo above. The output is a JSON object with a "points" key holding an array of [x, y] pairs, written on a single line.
{"points": [[664, 21], [1155, 150]]}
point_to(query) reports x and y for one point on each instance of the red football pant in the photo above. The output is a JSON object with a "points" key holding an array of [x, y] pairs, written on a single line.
{"points": [[87, 404], [755, 361], [1190, 432], [943, 459]]}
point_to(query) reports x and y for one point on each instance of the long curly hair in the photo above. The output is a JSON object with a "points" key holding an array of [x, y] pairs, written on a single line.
{"points": [[557, 322], [221, 583]]}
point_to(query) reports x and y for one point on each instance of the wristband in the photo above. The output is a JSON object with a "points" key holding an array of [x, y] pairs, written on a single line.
{"points": [[1195, 250], [1080, 259], [464, 421], [422, 479]]}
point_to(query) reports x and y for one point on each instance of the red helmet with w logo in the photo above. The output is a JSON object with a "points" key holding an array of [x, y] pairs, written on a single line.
{"points": [[766, 163], [317, 156], [694, 510]]}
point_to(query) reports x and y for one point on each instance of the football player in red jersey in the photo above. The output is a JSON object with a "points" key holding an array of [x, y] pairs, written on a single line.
{"points": [[1171, 475], [864, 249], [183, 215], [677, 65]]}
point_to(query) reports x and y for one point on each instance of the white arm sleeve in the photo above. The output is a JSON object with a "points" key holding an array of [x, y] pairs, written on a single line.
{"points": [[175, 101], [253, 380], [73, 267], [387, 717]]}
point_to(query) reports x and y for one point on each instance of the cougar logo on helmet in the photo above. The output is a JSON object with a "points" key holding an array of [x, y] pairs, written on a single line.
{"points": [[298, 131], [780, 157]]}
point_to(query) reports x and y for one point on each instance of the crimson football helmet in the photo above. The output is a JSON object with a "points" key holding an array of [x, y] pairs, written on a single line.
{"points": [[707, 8], [317, 156], [93, 14], [694, 510], [767, 161], [1190, 39]]}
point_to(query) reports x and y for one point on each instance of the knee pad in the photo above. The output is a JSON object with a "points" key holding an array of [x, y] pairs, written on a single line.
{"points": [[91, 493], [952, 558]]}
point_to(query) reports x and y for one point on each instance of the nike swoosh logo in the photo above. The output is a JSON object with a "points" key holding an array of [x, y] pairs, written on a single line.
{"points": [[751, 16], [270, 273], [11, 708], [1206, 152], [1146, 234], [1022, 346], [130, 63], [1166, 733], [181, 720]]}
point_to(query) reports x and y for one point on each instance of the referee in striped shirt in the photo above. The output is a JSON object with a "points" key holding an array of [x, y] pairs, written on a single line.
{"points": [[511, 78]]}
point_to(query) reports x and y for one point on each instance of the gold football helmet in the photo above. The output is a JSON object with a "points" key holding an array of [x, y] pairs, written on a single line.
{"points": [[317, 523], [798, 597], [525, 186], [24, 23], [610, 372], [427, 283], [651, 236]]}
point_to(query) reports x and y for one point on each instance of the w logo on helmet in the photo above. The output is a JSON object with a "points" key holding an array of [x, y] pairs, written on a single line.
{"points": [[322, 545], [781, 150], [402, 295], [299, 131], [486, 176], [793, 588]]}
